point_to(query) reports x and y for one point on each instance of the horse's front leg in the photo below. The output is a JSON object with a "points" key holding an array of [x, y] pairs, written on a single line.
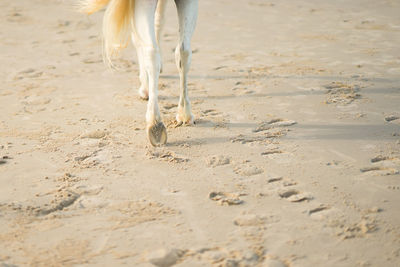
{"points": [[144, 35], [187, 13]]}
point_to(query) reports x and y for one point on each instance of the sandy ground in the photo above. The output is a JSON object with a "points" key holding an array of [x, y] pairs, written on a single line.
{"points": [[294, 160]]}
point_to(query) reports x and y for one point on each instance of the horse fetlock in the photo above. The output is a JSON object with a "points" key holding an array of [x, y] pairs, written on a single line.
{"points": [[143, 93], [185, 116]]}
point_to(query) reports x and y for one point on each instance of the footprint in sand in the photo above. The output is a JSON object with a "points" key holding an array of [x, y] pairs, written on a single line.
{"points": [[34, 101], [274, 263], [17, 16], [383, 165], [393, 118], [274, 123], [266, 138], [379, 158], [92, 60], [3, 159], [88, 159], [226, 198], [222, 256], [34, 104], [276, 185], [167, 156], [217, 160], [96, 134], [274, 179], [248, 170], [378, 170], [344, 230], [249, 219], [271, 152], [281, 181], [244, 87], [243, 91], [294, 195], [61, 200], [318, 209], [342, 94], [169, 106], [28, 73], [242, 139], [128, 213], [210, 113], [321, 212], [165, 258]]}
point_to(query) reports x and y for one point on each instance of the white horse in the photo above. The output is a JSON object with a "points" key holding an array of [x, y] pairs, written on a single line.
{"points": [[142, 20]]}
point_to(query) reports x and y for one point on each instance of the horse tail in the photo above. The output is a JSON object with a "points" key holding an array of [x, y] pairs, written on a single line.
{"points": [[117, 23], [91, 6]]}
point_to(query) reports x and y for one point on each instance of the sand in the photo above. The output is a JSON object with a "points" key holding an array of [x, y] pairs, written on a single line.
{"points": [[294, 159]]}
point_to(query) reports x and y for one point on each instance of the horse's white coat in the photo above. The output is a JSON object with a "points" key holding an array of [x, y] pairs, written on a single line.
{"points": [[146, 21]]}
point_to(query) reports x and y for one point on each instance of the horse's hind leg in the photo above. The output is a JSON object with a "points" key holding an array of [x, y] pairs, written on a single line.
{"points": [[144, 36], [159, 23], [187, 13], [144, 83]]}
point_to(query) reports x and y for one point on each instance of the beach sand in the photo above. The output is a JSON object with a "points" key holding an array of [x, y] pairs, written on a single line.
{"points": [[294, 159]]}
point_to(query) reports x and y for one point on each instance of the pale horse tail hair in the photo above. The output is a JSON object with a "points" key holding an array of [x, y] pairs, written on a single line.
{"points": [[117, 23]]}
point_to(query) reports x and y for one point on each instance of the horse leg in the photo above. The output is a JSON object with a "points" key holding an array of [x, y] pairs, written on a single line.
{"points": [[187, 13], [144, 36], [159, 23], [144, 82]]}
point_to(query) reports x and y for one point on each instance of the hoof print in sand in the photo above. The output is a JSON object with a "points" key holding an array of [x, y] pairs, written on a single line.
{"points": [[274, 179], [248, 170], [3, 159], [28, 74], [169, 106], [380, 170], [342, 94], [273, 263], [217, 160], [165, 258], [226, 198], [392, 118], [271, 152], [318, 209], [210, 112], [167, 156], [128, 214], [281, 181], [380, 158], [265, 138], [360, 229], [274, 123], [62, 200], [293, 195], [246, 139], [97, 134], [249, 220]]}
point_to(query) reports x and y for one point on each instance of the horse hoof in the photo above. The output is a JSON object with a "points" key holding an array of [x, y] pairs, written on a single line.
{"points": [[184, 120], [157, 134]]}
